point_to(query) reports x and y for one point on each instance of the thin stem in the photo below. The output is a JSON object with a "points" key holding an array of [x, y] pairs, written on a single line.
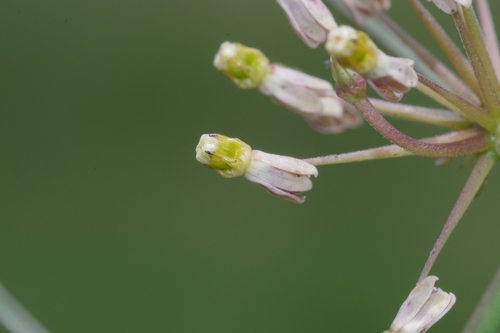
{"points": [[472, 39], [449, 48], [452, 149], [15, 317], [386, 151], [452, 80], [490, 34], [461, 105], [472, 186], [486, 316], [422, 114]]}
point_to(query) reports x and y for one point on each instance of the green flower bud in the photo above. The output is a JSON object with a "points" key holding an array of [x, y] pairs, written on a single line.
{"points": [[229, 157], [352, 49], [245, 66]]}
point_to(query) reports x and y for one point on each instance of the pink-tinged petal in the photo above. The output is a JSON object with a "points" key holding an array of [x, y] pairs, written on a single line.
{"points": [[321, 13], [385, 92], [335, 123], [417, 298], [435, 308], [285, 163], [304, 24], [273, 180], [301, 79], [296, 98], [393, 77]]}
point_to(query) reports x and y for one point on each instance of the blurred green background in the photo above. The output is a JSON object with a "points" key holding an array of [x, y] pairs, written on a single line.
{"points": [[109, 224]]}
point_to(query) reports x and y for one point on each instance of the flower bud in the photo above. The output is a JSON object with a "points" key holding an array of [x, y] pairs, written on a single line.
{"points": [[391, 77], [281, 176], [423, 308], [245, 66], [227, 156], [451, 6], [310, 19]]}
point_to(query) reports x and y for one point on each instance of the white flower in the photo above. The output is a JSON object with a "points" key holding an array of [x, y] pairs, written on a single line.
{"points": [[391, 77], [281, 176], [423, 308], [310, 19], [450, 6], [310, 97]]}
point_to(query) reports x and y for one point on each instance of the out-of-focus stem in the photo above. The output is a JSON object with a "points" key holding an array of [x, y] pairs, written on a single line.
{"points": [[15, 317], [386, 151], [449, 48], [452, 149], [460, 105], [453, 81], [422, 114], [473, 41], [472, 186], [486, 316], [490, 34]]}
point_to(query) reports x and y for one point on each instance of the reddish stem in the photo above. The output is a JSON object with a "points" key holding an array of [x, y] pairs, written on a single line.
{"points": [[464, 147]]}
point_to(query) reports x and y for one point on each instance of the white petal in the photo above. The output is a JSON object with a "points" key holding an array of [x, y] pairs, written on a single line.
{"points": [[321, 13], [417, 298], [465, 3], [296, 98], [436, 306], [447, 6], [285, 163], [304, 24], [299, 78]]}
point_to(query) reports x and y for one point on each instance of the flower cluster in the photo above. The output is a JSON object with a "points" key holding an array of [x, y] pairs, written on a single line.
{"points": [[469, 95]]}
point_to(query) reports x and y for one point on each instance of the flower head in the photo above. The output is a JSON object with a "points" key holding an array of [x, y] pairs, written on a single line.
{"points": [[245, 66], [310, 19], [309, 96], [391, 77], [423, 308], [281, 176]]}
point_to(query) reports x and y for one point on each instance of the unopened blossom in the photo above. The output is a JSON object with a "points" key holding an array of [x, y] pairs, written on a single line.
{"points": [[391, 77], [424, 306], [361, 8], [281, 176], [451, 6], [311, 97], [310, 19]]}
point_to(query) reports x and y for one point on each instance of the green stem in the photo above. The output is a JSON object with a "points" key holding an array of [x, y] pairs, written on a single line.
{"points": [[422, 114], [449, 48], [472, 186], [473, 41], [486, 316], [15, 317], [464, 107]]}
